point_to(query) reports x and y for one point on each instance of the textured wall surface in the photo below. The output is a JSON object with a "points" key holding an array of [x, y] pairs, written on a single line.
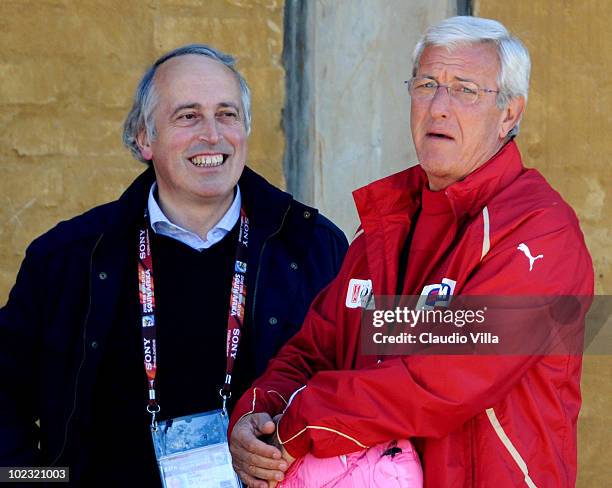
{"points": [[361, 56], [566, 130], [68, 70], [566, 135]]}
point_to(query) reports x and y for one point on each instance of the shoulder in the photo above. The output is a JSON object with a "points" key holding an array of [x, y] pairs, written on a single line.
{"points": [[90, 225], [85, 227], [529, 208], [309, 234], [306, 217], [301, 225], [536, 245]]}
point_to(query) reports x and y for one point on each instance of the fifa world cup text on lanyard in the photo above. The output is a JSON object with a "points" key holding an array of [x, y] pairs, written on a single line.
{"points": [[235, 317]]}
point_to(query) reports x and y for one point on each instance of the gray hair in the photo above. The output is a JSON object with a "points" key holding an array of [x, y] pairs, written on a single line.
{"points": [[515, 65], [145, 99]]}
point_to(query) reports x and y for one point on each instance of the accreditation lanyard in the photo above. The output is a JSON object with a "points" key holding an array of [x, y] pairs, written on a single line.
{"points": [[235, 317]]}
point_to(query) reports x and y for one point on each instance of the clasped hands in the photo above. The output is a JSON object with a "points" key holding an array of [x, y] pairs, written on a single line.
{"points": [[257, 455]]}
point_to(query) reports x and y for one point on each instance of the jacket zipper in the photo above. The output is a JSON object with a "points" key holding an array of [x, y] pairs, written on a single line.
{"points": [[76, 380]]}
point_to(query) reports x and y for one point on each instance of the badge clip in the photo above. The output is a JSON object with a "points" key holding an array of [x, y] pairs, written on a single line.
{"points": [[225, 398]]}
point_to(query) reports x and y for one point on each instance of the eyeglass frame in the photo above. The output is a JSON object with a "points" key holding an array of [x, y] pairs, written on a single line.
{"points": [[479, 90]]}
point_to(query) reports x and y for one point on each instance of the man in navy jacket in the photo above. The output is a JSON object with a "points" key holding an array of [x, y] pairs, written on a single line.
{"points": [[71, 351]]}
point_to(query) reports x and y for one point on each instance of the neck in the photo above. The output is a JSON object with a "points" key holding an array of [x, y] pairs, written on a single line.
{"points": [[198, 217], [440, 183]]}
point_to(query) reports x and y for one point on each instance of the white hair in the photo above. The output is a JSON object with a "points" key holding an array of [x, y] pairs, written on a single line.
{"points": [[515, 64]]}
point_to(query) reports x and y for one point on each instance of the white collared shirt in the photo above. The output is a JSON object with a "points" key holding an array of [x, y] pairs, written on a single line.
{"points": [[161, 225]]}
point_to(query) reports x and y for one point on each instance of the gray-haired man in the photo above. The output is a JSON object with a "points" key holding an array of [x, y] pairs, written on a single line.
{"points": [[469, 220], [199, 250]]}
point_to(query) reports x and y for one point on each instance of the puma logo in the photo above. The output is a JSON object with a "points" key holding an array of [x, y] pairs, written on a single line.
{"points": [[525, 250]]}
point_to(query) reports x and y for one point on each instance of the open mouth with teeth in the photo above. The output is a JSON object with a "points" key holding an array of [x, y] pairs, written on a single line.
{"points": [[208, 160]]}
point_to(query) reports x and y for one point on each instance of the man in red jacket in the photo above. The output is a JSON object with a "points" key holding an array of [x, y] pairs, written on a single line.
{"points": [[470, 219]]}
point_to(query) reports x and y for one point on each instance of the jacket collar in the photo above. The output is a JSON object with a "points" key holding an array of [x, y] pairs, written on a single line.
{"points": [[387, 207], [401, 193], [132, 203], [470, 195], [265, 204]]}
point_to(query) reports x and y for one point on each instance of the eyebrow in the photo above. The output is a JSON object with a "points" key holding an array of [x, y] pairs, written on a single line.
{"points": [[184, 106], [456, 78], [230, 105], [195, 105], [464, 79]]}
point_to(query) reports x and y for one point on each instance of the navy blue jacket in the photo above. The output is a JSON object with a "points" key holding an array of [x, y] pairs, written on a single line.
{"points": [[54, 326]]}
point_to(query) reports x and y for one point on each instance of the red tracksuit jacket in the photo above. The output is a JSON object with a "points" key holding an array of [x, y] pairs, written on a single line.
{"points": [[477, 421]]}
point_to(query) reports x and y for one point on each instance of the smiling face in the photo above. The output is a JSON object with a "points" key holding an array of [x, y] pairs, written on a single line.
{"points": [[200, 147], [453, 139]]}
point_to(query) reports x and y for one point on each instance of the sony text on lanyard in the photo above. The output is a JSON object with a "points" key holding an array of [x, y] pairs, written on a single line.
{"points": [[146, 291]]}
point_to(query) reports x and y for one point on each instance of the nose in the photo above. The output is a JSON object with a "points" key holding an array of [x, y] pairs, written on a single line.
{"points": [[440, 103], [209, 132]]}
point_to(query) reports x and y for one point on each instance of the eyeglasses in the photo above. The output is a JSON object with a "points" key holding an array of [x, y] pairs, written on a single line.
{"points": [[465, 92]]}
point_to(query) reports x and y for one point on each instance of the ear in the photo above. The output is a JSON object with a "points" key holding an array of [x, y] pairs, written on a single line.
{"points": [[144, 145], [511, 116]]}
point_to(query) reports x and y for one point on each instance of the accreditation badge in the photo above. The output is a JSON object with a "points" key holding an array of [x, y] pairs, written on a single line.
{"points": [[192, 452]]}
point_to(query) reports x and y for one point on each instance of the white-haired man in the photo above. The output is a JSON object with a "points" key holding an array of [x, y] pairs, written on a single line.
{"points": [[468, 220], [198, 250]]}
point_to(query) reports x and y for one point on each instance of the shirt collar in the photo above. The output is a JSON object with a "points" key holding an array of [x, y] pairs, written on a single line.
{"points": [[163, 226]]}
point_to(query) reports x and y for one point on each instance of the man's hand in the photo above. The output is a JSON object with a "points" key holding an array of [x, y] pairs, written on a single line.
{"points": [[255, 461]]}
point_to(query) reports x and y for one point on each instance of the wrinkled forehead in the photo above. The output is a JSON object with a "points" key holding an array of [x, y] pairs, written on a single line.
{"points": [[464, 59]]}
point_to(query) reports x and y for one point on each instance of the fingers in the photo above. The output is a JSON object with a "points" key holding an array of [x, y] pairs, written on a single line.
{"points": [[246, 447], [258, 418], [254, 460], [252, 482], [264, 474], [256, 466], [262, 425], [244, 458]]}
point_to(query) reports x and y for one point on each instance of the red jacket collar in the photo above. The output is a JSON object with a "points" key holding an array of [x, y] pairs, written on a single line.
{"points": [[400, 194], [387, 206], [470, 195]]}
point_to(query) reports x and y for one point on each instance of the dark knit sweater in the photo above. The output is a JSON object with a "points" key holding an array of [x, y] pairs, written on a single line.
{"points": [[192, 296]]}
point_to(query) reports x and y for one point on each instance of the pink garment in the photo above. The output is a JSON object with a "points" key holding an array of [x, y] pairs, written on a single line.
{"points": [[387, 465]]}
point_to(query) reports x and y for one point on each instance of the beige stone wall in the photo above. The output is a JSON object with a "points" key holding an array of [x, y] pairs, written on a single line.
{"points": [[360, 120], [565, 132], [566, 135], [68, 69]]}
